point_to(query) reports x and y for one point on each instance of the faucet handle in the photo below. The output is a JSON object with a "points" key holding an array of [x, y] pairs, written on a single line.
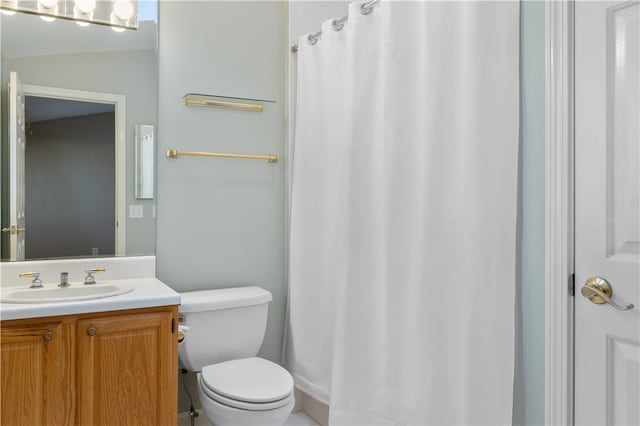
{"points": [[90, 279], [64, 280], [37, 282]]}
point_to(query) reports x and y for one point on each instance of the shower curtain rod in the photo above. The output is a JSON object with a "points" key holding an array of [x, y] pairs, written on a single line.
{"points": [[337, 24]]}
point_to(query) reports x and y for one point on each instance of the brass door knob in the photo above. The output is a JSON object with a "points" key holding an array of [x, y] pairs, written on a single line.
{"points": [[91, 331], [47, 336], [598, 290], [13, 230]]}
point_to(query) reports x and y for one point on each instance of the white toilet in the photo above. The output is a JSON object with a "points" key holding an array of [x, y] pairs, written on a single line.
{"points": [[223, 331]]}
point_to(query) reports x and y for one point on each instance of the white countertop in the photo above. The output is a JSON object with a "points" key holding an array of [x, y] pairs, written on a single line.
{"points": [[147, 293]]}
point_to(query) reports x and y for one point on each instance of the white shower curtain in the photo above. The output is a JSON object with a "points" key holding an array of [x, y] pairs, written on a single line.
{"points": [[403, 214]]}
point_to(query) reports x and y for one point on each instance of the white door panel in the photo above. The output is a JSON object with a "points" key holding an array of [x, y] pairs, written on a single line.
{"points": [[17, 145], [607, 211]]}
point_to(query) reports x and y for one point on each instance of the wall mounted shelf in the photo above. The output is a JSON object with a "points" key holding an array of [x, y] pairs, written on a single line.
{"points": [[211, 101]]}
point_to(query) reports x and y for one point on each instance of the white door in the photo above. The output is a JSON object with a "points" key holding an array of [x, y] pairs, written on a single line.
{"points": [[17, 144], [607, 212]]}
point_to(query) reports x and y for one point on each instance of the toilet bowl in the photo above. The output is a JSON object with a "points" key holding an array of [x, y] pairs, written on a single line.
{"points": [[223, 331]]}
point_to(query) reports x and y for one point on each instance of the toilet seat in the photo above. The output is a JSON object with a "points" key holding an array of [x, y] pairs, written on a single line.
{"points": [[253, 384], [248, 406]]}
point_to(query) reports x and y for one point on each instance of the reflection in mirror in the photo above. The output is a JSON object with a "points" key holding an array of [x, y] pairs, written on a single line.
{"points": [[63, 56], [80, 137], [145, 154]]}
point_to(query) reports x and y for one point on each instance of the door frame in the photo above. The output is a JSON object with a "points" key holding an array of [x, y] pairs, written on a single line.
{"points": [[559, 216], [118, 101]]}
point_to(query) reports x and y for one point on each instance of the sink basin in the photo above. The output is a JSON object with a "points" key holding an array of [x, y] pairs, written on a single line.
{"points": [[59, 294]]}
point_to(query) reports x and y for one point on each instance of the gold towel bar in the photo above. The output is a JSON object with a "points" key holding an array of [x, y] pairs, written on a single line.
{"points": [[174, 153]]}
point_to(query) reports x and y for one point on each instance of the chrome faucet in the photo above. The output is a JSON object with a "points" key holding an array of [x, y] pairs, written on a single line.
{"points": [[90, 279], [37, 282]]}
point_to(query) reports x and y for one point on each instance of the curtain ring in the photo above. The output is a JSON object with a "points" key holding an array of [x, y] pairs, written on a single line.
{"points": [[364, 9], [311, 39], [336, 26]]}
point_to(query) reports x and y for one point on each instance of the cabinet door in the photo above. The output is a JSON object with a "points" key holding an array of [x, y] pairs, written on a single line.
{"points": [[36, 373], [127, 370]]}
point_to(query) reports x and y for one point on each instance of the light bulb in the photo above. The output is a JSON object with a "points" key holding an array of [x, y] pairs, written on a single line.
{"points": [[82, 23], [117, 29], [123, 9], [48, 4], [9, 3], [48, 7], [85, 7]]}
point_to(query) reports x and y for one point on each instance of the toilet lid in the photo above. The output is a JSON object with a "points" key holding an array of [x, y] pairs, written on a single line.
{"points": [[249, 406], [253, 380]]}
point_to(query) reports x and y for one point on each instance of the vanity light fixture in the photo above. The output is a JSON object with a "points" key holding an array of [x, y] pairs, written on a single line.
{"points": [[10, 4], [122, 12], [118, 14], [83, 9], [48, 8]]}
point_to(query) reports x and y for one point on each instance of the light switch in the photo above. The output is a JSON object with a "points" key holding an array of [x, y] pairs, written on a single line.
{"points": [[136, 211]]}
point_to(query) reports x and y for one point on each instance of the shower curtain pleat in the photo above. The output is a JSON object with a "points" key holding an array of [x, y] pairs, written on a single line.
{"points": [[403, 214]]}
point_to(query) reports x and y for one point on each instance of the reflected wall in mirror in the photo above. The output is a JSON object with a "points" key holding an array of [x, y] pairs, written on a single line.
{"points": [[62, 55]]}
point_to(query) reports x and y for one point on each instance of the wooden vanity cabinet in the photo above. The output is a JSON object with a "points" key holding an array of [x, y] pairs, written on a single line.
{"points": [[108, 368], [36, 366], [126, 370]]}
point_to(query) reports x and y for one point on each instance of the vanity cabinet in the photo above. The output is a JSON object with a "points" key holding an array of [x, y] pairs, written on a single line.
{"points": [[123, 363], [109, 368], [37, 373]]}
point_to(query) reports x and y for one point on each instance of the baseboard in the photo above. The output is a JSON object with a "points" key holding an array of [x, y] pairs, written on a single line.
{"points": [[316, 410]]}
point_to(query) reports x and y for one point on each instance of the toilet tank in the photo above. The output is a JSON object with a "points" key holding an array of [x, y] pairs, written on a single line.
{"points": [[221, 325]]}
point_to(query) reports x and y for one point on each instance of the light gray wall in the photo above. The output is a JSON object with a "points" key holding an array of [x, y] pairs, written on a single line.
{"points": [[529, 382], [130, 73], [221, 222], [69, 161]]}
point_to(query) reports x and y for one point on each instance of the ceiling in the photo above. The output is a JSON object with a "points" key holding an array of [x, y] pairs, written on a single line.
{"points": [[42, 109]]}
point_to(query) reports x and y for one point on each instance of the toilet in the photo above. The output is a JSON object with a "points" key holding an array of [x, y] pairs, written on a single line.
{"points": [[223, 330]]}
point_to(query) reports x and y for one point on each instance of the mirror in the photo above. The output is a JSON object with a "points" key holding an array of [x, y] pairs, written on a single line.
{"points": [[74, 77]]}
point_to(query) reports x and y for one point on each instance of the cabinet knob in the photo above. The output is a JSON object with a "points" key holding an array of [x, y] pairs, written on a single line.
{"points": [[91, 331], [47, 336]]}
